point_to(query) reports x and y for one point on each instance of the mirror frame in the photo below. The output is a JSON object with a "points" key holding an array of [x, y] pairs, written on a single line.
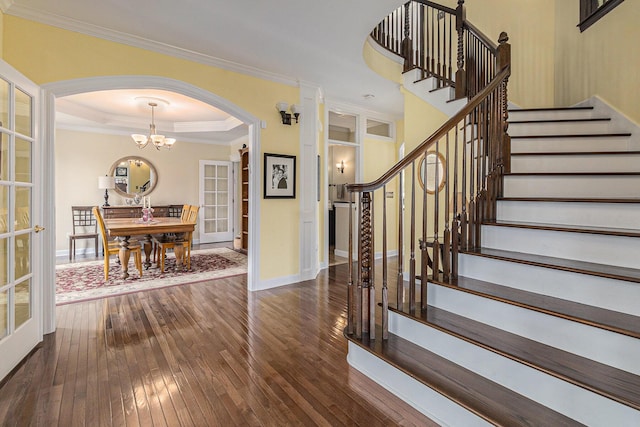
{"points": [[442, 177], [152, 168]]}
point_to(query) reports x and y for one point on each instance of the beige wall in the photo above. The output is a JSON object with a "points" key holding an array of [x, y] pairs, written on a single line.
{"points": [[602, 61], [81, 157], [47, 54]]}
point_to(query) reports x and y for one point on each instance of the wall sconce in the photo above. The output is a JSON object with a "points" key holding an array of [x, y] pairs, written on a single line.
{"points": [[286, 117], [340, 166]]}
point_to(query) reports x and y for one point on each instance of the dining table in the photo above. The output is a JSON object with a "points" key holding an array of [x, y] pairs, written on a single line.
{"points": [[124, 228]]}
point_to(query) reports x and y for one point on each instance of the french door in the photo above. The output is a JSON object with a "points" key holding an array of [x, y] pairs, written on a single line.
{"points": [[20, 282], [216, 201]]}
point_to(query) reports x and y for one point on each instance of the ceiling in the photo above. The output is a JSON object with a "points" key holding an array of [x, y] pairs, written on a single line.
{"points": [[304, 41]]}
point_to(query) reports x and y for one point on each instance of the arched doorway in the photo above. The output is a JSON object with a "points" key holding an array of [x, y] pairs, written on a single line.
{"points": [[71, 87]]}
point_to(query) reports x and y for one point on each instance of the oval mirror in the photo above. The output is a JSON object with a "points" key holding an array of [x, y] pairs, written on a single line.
{"points": [[134, 175], [432, 161]]}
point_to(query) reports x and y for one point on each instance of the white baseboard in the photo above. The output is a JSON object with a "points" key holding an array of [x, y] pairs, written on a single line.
{"points": [[377, 255], [284, 280]]}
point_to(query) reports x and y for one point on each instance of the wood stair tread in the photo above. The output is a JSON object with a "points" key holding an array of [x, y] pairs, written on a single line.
{"points": [[528, 110], [581, 267], [540, 121], [572, 173], [609, 231], [477, 394], [586, 135], [613, 321], [567, 199], [575, 153], [616, 384]]}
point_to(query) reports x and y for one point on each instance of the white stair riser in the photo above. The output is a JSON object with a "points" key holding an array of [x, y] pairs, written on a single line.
{"points": [[424, 89], [515, 115], [609, 294], [560, 128], [596, 248], [576, 163], [618, 215], [617, 350], [582, 405], [546, 145], [582, 186], [424, 399]]}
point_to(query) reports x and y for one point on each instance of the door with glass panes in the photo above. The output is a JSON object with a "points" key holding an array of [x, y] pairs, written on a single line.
{"points": [[20, 285], [216, 201]]}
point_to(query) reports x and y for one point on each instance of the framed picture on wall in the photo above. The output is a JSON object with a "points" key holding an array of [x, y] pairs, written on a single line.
{"points": [[279, 176], [121, 171]]}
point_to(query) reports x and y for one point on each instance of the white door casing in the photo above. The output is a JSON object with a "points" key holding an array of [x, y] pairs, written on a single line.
{"points": [[216, 189], [20, 216]]}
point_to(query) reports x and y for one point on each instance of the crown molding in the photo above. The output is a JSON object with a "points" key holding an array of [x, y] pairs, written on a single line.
{"points": [[32, 14], [5, 5]]}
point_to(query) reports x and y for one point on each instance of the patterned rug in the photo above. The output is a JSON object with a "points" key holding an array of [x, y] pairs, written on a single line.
{"points": [[85, 281]]}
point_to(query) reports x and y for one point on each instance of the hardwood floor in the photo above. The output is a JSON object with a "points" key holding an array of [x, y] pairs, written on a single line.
{"points": [[206, 354]]}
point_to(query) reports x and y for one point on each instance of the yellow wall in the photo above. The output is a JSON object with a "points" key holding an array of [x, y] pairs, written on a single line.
{"points": [[603, 60], [530, 25], [386, 67], [380, 156], [47, 54], [81, 157]]}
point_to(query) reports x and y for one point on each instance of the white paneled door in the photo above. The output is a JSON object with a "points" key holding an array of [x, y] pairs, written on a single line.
{"points": [[216, 201], [20, 284]]}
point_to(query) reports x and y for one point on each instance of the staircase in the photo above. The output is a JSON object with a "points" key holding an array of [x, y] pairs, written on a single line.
{"points": [[541, 326]]}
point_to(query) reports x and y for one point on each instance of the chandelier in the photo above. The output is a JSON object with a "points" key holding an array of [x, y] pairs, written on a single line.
{"points": [[153, 137]]}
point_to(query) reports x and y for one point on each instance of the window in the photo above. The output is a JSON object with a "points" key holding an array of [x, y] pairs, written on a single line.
{"points": [[378, 128], [592, 10], [342, 127]]}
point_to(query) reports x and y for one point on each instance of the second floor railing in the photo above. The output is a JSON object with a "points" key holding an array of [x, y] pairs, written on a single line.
{"points": [[441, 43]]}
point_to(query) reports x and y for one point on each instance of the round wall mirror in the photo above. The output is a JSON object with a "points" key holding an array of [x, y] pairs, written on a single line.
{"points": [[134, 175], [431, 161]]}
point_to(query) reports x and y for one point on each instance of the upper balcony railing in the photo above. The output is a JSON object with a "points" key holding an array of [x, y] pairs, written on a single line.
{"points": [[441, 43]]}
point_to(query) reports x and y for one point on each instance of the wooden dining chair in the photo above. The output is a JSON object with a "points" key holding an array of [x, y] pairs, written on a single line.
{"points": [[167, 241], [84, 227], [167, 237], [112, 247]]}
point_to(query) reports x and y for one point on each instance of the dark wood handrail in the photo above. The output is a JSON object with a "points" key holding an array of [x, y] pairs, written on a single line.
{"points": [[436, 6], [486, 40], [460, 168], [438, 134]]}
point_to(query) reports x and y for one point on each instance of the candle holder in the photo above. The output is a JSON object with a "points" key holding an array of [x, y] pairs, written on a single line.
{"points": [[147, 214]]}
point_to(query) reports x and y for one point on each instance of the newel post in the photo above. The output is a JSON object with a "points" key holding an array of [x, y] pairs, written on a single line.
{"points": [[406, 48], [503, 61], [365, 258], [461, 75]]}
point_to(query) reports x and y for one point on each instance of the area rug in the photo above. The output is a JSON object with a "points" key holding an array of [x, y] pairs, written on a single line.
{"points": [[85, 281]]}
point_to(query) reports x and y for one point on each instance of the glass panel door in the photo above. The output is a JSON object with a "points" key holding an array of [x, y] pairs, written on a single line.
{"points": [[20, 324], [216, 201]]}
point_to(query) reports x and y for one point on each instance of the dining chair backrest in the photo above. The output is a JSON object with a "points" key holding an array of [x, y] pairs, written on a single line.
{"points": [[100, 221], [193, 213], [84, 221], [185, 212]]}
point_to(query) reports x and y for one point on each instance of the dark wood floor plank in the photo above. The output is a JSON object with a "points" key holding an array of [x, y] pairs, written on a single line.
{"points": [[202, 354]]}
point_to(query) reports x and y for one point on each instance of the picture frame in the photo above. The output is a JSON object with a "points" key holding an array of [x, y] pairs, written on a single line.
{"points": [[279, 176], [121, 171], [427, 178]]}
